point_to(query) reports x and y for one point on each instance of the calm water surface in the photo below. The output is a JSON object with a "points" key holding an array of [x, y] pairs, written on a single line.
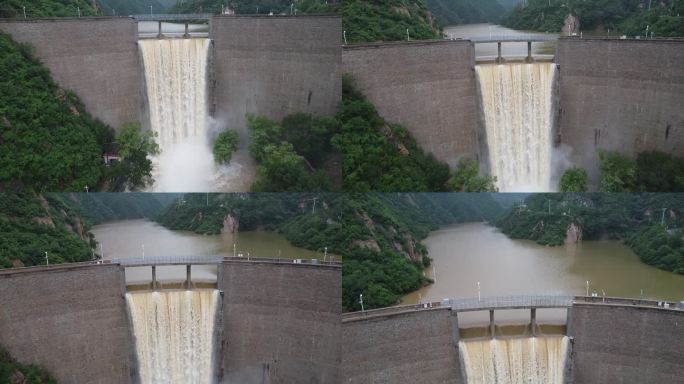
{"points": [[130, 238], [489, 50], [466, 254]]}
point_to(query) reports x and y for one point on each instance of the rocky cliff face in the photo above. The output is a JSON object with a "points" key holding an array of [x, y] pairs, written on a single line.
{"points": [[231, 224], [573, 234], [571, 26]]}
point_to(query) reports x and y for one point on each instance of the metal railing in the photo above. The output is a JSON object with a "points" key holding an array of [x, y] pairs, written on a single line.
{"points": [[512, 38], [168, 17], [509, 302], [168, 260]]}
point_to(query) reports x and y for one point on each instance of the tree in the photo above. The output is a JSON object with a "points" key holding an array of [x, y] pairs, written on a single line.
{"points": [[574, 180], [224, 146], [618, 173], [134, 168], [466, 179], [282, 169]]}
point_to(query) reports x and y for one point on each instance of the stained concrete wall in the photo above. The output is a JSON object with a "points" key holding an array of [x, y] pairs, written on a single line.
{"points": [[411, 347], [615, 344], [95, 57], [428, 87], [70, 320], [623, 95], [275, 66], [281, 323]]}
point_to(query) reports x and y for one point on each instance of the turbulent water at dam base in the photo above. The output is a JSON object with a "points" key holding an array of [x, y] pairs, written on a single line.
{"points": [[176, 84], [532, 360], [174, 335], [517, 105]]}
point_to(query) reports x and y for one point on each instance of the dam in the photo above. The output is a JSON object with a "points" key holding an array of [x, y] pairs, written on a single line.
{"points": [[603, 340], [606, 94], [270, 66], [84, 324]]}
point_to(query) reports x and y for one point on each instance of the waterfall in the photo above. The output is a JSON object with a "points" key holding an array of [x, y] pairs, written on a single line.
{"points": [[176, 83], [517, 103], [174, 335], [525, 360]]}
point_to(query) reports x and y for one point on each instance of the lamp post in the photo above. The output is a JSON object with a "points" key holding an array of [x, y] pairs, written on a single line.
{"points": [[325, 255], [150, 9], [479, 297], [587, 287], [47, 260], [24, 12], [143, 251], [361, 301]]}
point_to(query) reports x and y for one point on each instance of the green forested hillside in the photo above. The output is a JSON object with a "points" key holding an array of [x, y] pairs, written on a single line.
{"points": [[250, 6], [49, 142], [96, 208], [628, 17], [377, 235], [31, 225], [47, 8], [651, 223], [453, 12], [387, 20], [130, 7]]}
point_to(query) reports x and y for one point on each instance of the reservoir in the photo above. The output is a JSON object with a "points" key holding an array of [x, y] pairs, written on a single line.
{"points": [[466, 254], [497, 32], [138, 238]]}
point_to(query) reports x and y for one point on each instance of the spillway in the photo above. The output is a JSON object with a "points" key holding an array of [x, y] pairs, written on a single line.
{"points": [[533, 360], [176, 85], [517, 104], [174, 335]]}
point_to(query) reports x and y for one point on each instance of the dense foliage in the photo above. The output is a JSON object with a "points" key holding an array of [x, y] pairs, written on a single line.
{"points": [[574, 180], [652, 171], [453, 12], [628, 17], [47, 8], [224, 146], [31, 225], [387, 20], [131, 7], [290, 155], [651, 223], [49, 142], [466, 178], [379, 156], [377, 235], [253, 7], [12, 371]]}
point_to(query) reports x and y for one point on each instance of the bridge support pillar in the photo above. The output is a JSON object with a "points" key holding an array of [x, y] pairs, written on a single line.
{"points": [[159, 35], [187, 31], [154, 277], [491, 323], [533, 321], [499, 59], [529, 58], [188, 277], [455, 333]]}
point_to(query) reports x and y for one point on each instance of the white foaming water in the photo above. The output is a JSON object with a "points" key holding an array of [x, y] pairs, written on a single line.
{"points": [[534, 360], [176, 80], [174, 335], [517, 102]]}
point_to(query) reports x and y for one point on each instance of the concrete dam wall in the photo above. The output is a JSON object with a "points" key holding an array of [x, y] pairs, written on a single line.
{"points": [[271, 66], [95, 57], [623, 95], [280, 322], [611, 343], [70, 320], [428, 87]]}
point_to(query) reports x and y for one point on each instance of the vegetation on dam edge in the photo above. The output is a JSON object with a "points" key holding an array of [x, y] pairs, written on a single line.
{"points": [[12, 371], [49, 142]]}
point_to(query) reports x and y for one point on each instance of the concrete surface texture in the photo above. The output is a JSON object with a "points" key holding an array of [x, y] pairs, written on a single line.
{"points": [[428, 87], [281, 323], [97, 58], [72, 321], [621, 344], [623, 95], [275, 66], [411, 347]]}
